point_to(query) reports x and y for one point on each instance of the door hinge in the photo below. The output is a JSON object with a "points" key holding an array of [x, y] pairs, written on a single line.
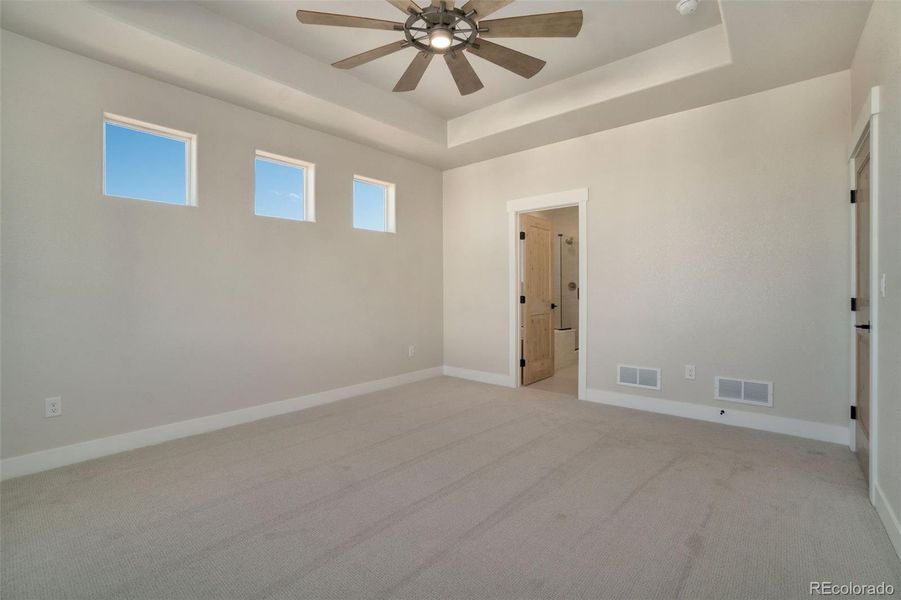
{"points": [[522, 299], [853, 196], [522, 363], [522, 235], [853, 304], [853, 413]]}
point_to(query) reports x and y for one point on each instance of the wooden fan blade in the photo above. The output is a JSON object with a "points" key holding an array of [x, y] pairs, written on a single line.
{"points": [[448, 3], [369, 55], [464, 75], [483, 8], [311, 17], [512, 60], [411, 77], [406, 6], [559, 24]]}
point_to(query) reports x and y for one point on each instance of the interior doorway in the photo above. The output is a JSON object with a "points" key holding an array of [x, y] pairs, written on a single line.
{"points": [[549, 299], [577, 198], [867, 288], [861, 304]]}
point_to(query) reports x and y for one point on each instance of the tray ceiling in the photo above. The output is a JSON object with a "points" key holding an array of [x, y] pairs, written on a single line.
{"points": [[634, 60], [611, 31]]}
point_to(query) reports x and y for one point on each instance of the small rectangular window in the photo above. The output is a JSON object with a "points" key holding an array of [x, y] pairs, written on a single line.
{"points": [[148, 162], [283, 187], [373, 204]]}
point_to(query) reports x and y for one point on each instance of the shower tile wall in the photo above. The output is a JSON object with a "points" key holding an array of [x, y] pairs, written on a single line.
{"points": [[566, 221]]}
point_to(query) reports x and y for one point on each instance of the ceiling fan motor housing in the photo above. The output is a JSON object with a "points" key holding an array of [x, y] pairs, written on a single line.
{"points": [[463, 28]]}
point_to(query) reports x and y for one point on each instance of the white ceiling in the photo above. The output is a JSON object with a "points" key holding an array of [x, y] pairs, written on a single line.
{"points": [[634, 60], [611, 30]]}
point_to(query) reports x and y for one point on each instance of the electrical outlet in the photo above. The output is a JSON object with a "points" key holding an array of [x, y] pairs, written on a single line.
{"points": [[689, 371], [53, 407], [411, 351]]}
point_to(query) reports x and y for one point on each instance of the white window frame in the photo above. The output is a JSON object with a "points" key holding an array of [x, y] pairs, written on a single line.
{"points": [[390, 193], [190, 140], [309, 184]]}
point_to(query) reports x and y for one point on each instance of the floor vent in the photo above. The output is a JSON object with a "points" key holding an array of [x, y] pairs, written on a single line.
{"points": [[643, 377], [747, 391]]}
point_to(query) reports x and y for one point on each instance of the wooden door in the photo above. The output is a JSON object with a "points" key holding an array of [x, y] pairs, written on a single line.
{"points": [[862, 314], [537, 324]]}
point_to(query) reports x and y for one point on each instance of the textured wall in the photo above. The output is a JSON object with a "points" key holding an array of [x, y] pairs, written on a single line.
{"points": [[140, 314], [716, 237]]}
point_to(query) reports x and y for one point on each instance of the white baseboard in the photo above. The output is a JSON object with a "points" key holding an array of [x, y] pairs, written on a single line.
{"points": [[889, 519], [480, 376], [837, 434], [74, 453]]}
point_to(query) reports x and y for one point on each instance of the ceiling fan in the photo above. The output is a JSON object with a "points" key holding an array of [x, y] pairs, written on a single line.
{"points": [[441, 28]]}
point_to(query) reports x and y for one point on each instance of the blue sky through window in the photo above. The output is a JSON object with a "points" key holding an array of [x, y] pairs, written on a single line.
{"points": [[143, 165], [369, 205], [279, 190]]}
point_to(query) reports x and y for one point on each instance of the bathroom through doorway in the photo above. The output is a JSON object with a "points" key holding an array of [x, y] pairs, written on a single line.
{"points": [[549, 299]]}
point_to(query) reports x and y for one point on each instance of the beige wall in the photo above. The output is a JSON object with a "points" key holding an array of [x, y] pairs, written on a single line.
{"points": [[140, 314], [716, 237], [878, 62]]}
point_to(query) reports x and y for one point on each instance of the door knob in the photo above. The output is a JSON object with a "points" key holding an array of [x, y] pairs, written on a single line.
{"points": [[867, 326]]}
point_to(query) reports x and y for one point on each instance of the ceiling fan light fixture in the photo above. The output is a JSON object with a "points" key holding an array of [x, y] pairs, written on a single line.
{"points": [[440, 38], [442, 28]]}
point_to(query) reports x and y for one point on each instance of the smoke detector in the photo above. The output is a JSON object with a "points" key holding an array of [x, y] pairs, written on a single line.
{"points": [[686, 7]]}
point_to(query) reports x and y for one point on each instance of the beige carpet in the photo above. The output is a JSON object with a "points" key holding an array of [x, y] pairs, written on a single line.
{"points": [[563, 381], [449, 489]]}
